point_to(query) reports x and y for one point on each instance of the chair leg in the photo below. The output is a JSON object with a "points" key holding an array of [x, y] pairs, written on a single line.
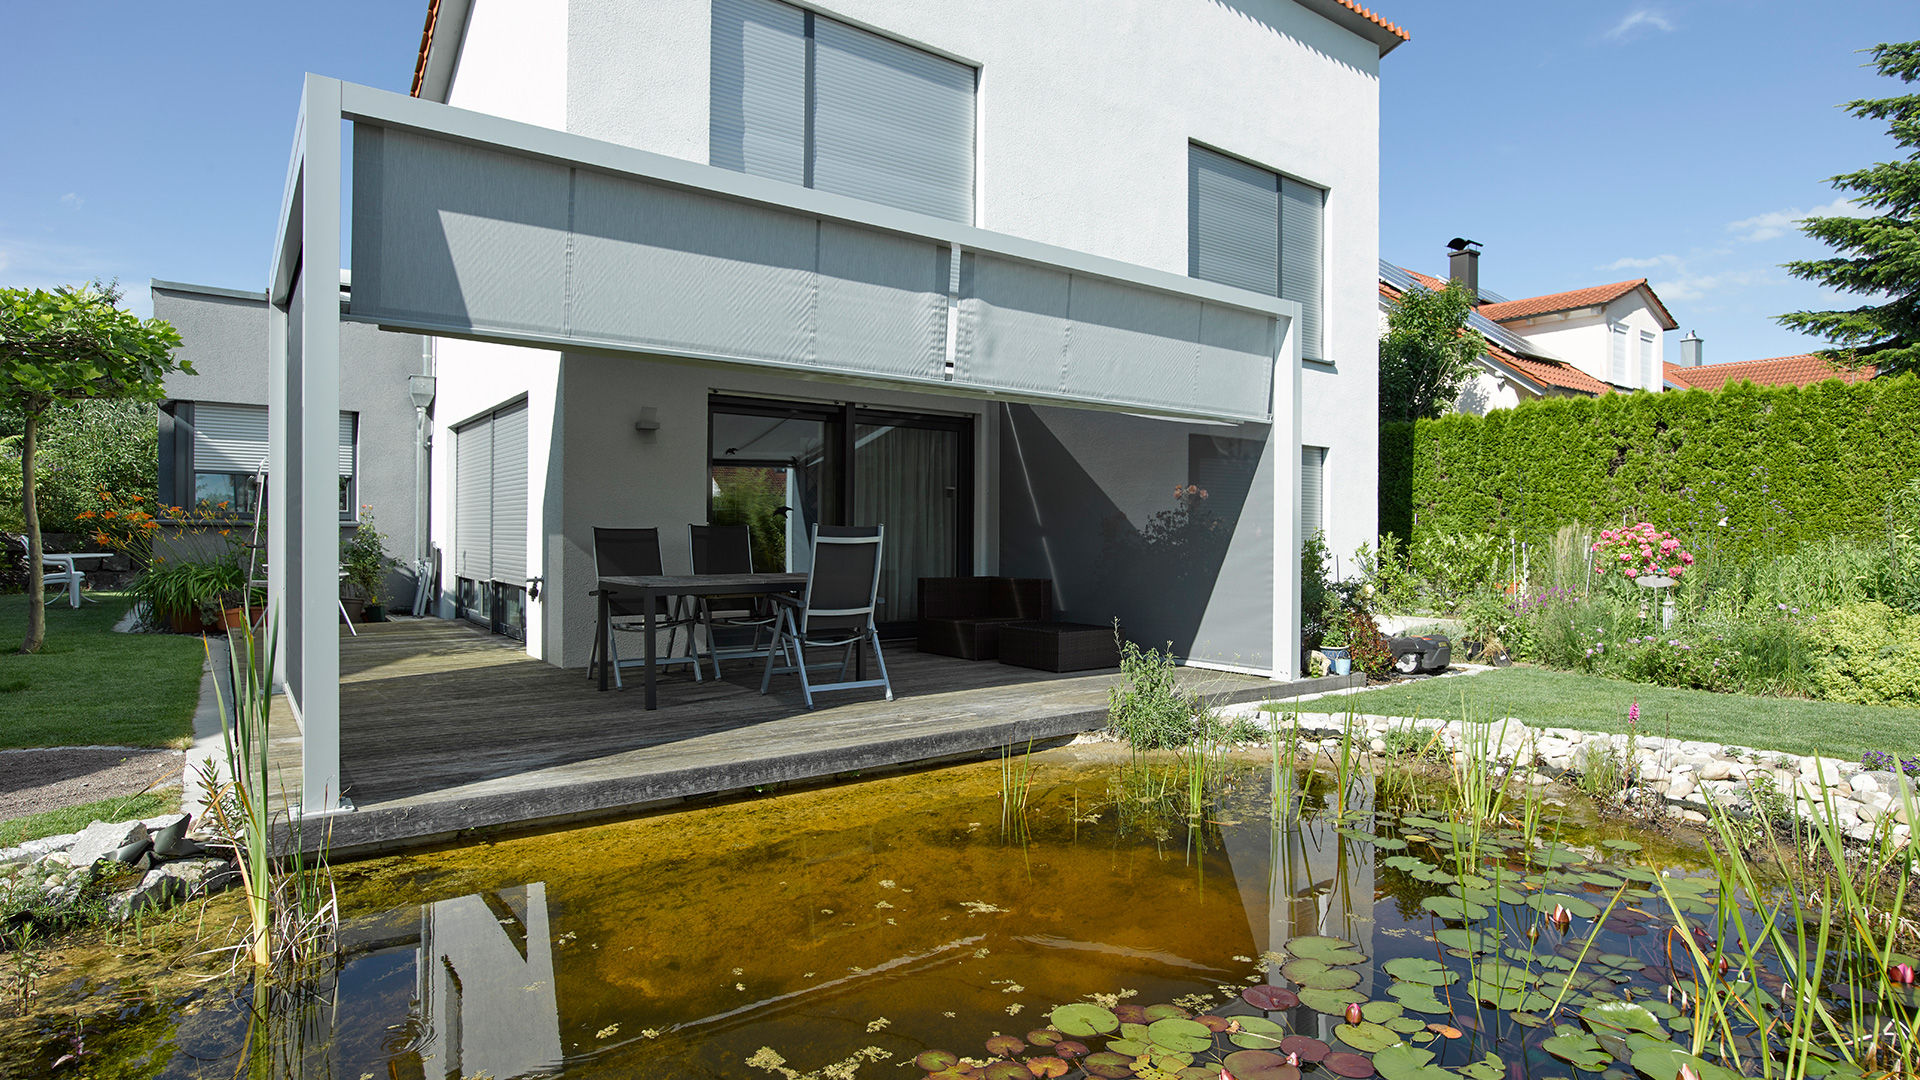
{"points": [[880, 661], [766, 677], [613, 657], [806, 685], [713, 648]]}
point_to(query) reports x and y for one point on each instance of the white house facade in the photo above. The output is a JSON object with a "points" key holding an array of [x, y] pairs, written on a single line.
{"points": [[1091, 301]]}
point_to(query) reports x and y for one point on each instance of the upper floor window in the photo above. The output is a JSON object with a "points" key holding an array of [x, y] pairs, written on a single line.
{"points": [[1617, 375], [803, 98], [225, 448], [1647, 365], [1255, 229]]}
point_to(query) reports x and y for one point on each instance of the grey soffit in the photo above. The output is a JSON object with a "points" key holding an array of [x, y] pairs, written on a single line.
{"points": [[259, 295], [480, 227], [1492, 331]]}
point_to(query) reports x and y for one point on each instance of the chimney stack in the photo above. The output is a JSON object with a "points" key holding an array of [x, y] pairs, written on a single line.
{"points": [[1463, 266], [1690, 350]]}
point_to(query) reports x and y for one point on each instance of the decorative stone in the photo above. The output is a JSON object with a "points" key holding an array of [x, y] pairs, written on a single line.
{"points": [[103, 840]]}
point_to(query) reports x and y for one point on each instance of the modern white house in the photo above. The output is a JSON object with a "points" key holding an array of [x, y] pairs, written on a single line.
{"points": [[213, 424], [1015, 278], [1582, 342]]}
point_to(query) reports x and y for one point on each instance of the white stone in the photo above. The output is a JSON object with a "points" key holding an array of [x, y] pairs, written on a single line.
{"points": [[102, 838]]}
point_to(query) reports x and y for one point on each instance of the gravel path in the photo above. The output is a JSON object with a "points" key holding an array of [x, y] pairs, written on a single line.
{"points": [[35, 780]]}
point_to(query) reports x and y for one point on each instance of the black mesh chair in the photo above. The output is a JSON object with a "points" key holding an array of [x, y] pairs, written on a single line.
{"points": [[728, 549], [636, 553], [836, 611]]}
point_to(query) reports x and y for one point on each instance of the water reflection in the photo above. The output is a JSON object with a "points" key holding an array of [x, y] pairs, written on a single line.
{"points": [[484, 968]]}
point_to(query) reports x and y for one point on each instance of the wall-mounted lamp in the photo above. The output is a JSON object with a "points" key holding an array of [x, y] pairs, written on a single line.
{"points": [[420, 389], [649, 420]]}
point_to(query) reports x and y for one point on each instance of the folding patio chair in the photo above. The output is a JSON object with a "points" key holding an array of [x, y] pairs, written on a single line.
{"points": [[728, 549], [56, 572], [619, 552], [837, 610]]}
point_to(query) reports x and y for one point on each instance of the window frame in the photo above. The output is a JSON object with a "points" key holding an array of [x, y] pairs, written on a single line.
{"points": [[180, 480], [1318, 357]]}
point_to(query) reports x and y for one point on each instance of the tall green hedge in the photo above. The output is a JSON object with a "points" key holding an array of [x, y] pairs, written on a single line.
{"points": [[1779, 465]]}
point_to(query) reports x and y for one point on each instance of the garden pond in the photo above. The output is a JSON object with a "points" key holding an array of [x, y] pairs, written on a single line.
{"points": [[1054, 915]]}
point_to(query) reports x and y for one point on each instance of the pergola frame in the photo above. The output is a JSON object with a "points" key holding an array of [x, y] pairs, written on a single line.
{"points": [[304, 367]]}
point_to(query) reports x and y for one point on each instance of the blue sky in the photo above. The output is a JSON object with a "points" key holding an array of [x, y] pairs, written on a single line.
{"points": [[1581, 143]]}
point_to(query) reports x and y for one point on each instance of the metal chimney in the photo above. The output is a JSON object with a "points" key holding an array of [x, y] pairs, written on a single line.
{"points": [[1463, 266], [1690, 350]]}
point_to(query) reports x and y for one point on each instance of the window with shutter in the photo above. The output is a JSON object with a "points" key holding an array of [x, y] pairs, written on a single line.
{"points": [[1313, 476], [490, 501], [806, 99], [1619, 370], [1647, 365], [229, 450], [1254, 229]]}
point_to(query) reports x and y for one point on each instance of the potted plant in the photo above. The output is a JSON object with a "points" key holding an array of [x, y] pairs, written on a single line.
{"points": [[1333, 645], [363, 558]]}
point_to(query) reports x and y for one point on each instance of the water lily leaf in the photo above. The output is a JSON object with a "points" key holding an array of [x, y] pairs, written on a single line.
{"points": [[1318, 975], [1580, 908], [1624, 1016], [1133, 1048], [1365, 1036], [1257, 1033], [1108, 1064], [936, 1060], [1420, 969], [1389, 843], [1380, 1012], [1162, 1012], [1406, 863], [1043, 1037], [1135, 1032], [1047, 1067], [1084, 1020], [1331, 1002], [1577, 1048], [1663, 1063], [1170, 1060], [1006, 1070], [1503, 975], [1348, 1065], [1620, 845], [1269, 998], [1499, 997], [1453, 908], [1180, 1035], [1419, 998], [1438, 876], [1487, 1068], [1307, 1047], [1405, 1062], [1468, 939], [1332, 951], [1005, 1045], [1259, 1065]]}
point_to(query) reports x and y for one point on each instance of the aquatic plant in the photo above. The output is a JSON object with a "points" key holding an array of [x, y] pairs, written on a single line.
{"points": [[1147, 707]]}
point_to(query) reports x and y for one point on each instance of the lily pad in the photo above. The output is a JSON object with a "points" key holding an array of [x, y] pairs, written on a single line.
{"points": [[1420, 969], [1620, 845], [1162, 1012], [1269, 998], [1308, 1048], [1331, 951], [1108, 1064], [1366, 1036], [1454, 908], [1624, 1016], [1420, 999], [1577, 1048], [1330, 1002], [1005, 1045], [1580, 908], [1179, 1035], [1257, 1033], [1348, 1065], [1405, 1062], [1006, 1070], [1664, 1062], [1260, 1065], [1380, 1012], [1084, 1020], [1317, 975], [1487, 1068], [936, 1060]]}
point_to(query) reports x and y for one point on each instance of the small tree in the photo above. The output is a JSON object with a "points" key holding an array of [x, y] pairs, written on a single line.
{"points": [[1876, 255], [72, 344], [1427, 353]]}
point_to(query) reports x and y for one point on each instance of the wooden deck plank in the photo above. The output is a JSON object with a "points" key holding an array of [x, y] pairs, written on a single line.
{"points": [[446, 729]]}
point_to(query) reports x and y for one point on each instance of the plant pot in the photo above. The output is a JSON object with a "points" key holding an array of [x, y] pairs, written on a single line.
{"points": [[1339, 657], [233, 618], [354, 608], [375, 613], [186, 622]]}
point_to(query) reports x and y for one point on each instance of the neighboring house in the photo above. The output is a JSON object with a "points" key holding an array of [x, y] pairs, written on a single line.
{"points": [[1803, 369], [213, 425], [1582, 342]]}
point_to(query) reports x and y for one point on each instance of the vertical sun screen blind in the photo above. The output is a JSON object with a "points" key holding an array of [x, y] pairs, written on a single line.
{"points": [[758, 120], [1301, 208], [1647, 365], [509, 483], [1313, 476], [473, 500], [233, 438], [1619, 370], [1254, 229], [802, 98]]}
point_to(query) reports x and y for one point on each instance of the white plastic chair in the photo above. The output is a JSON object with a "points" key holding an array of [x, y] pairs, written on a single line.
{"points": [[58, 571]]}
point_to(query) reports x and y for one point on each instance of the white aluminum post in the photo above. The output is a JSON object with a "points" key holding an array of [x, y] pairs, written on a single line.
{"points": [[313, 510], [1285, 439]]}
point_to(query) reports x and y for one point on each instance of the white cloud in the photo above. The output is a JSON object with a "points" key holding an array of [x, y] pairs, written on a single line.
{"points": [[72, 200], [1642, 264], [1687, 287], [1775, 223], [1639, 19]]}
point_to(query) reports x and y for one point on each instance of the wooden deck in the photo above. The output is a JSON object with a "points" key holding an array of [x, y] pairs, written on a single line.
{"points": [[445, 729]]}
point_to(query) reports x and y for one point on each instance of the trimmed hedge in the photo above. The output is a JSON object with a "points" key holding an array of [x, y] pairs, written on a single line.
{"points": [[1780, 465]]}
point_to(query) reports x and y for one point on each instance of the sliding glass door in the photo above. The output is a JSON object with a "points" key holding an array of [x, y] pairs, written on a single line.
{"points": [[781, 467]]}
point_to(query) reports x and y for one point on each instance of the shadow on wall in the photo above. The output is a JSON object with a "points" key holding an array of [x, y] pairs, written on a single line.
{"points": [[1058, 522]]}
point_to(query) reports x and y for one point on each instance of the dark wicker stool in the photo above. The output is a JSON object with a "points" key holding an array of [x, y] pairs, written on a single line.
{"points": [[1052, 646], [963, 616]]}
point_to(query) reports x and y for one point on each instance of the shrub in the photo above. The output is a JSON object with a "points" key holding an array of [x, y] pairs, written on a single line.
{"points": [[1453, 564], [1868, 655], [83, 448], [1385, 578], [363, 555], [1316, 589], [1148, 709], [1368, 646]]}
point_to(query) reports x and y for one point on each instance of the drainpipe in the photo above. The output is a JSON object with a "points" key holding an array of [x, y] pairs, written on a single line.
{"points": [[421, 389]]}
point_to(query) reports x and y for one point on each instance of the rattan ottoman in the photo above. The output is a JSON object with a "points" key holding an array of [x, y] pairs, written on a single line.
{"points": [[1056, 646]]}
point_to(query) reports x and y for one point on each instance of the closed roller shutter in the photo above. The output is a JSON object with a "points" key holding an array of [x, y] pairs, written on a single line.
{"points": [[1301, 208], [759, 111], [229, 438], [509, 524], [892, 124], [1233, 222], [347, 420], [1313, 484], [473, 500]]}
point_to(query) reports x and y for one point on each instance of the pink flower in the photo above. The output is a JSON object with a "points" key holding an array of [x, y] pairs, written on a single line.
{"points": [[1633, 713]]}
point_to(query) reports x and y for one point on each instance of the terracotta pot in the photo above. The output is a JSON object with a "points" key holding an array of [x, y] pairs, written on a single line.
{"points": [[233, 618], [187, 622]]}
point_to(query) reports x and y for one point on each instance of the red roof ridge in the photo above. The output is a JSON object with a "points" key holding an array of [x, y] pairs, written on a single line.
{"points": [[1375, 20], [1799, 369], [426, 46]]}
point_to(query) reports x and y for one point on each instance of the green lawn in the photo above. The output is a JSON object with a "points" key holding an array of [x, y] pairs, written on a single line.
{"points": [[71, 819], [1545, 698], [89, 685]]}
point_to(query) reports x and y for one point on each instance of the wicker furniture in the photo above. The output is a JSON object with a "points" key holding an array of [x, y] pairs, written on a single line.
{"points": [[962, 616], [1052, 646]]}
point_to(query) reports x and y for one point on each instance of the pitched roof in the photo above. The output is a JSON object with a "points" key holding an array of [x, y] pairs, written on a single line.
{"points": [[1375, 19], [1536, 369], [1594, 296], [1803, 369], [426, 46]]}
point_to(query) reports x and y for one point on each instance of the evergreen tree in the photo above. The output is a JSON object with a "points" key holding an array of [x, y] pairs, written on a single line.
{"points": [[1878, 257], [1427, 353]]}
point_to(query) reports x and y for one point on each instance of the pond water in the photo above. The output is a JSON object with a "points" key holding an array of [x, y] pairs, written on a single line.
{"points": [[889, 927]]}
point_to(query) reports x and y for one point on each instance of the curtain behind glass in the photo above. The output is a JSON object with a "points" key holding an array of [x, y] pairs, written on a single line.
{"points": [[908, 479]]}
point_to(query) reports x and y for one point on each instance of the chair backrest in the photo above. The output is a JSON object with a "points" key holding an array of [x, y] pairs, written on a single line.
{"points": [[619, 552], [845, 580], [721, 549]]}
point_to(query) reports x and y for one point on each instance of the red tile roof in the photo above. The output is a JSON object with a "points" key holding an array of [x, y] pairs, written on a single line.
{"points": [[1804, 369], [426, 46], [1595, 296], [1375, 19], [1554, 373]]}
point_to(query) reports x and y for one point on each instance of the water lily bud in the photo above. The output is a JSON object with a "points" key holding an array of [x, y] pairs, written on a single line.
{"points": [[1561, 916], [1293, 1059], [1687, 1072], [1353, 1013], [1902, 974]]}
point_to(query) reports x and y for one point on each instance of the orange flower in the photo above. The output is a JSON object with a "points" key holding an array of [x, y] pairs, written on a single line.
{"points": [[223, 504], [139, 498], [84, 515], [107, 514], [104, 497], [224, 532], [100, 537]]}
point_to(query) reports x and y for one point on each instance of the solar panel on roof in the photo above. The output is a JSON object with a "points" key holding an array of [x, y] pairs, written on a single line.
{"points": [[1400, 279]]}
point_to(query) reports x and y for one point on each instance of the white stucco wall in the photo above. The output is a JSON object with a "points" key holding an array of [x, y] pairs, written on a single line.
{"points": [[513, 61], [1584, 340], [1085, 116]]}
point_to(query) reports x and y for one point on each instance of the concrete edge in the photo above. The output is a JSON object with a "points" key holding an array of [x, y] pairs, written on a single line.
{"points": [[208, 745]]}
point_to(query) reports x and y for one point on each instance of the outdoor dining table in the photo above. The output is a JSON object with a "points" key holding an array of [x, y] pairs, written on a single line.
{"points": [[647, 590]]}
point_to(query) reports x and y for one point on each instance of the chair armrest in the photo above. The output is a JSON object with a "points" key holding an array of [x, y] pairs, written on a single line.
{"points": [[64, 562]]}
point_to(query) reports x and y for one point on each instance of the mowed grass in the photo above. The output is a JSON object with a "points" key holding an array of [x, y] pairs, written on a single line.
{"points": [[71, 819], [90, 686], [1544, 698]]}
